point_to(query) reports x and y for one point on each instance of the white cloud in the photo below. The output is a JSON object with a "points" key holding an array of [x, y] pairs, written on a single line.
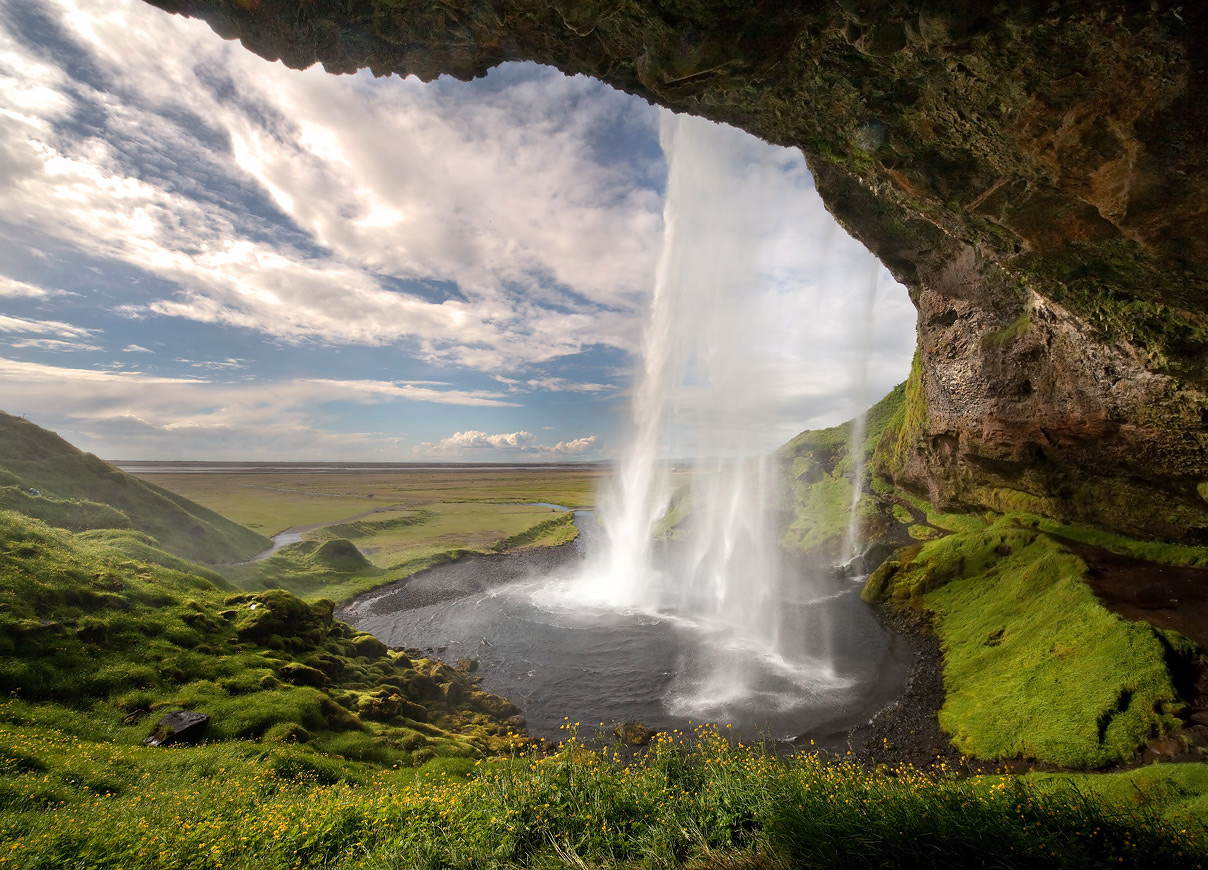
{"points": [[134, 414], [413, 391], [329, 211], [14, 289], [475, 445], [42, 327], [505, 198], [475, 440], [562, 385], [577, 446], [52, 344]]}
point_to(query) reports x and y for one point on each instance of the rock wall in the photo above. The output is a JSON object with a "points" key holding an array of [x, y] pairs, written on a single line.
{"points": [[1034, 174]]}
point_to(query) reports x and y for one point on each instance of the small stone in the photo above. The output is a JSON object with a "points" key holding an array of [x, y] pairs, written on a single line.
{"points": [[179, 726]]}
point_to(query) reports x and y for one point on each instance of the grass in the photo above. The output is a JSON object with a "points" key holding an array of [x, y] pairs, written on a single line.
{"points": [[273, 501], [472, 526], [1034, 665], [403, 521], [822, 473], [400, 543], [85, 627], [74, 799], [326, 749], [81, 491]]}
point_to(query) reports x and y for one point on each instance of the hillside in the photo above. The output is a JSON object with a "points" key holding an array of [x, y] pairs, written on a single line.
{"points": [[326, 749], [1038, 664], [78, 491]]}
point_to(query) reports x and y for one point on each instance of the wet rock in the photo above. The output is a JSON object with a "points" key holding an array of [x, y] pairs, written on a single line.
{"points": [[453, 693], [179, 726], [467, 666]]}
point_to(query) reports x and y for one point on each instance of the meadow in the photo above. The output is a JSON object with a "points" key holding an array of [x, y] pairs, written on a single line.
{"points": [[401, 521], [72, 797], [271, 501]]}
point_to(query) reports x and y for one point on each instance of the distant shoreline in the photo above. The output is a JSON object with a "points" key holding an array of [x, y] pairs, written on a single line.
{"points": [[142, 466]]}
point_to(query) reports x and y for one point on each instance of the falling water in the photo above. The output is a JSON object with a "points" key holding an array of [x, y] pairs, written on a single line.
{"points": [[683, 606], [856, 434], [702, 393]]}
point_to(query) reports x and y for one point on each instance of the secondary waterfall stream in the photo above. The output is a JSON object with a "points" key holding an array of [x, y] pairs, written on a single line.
{"points": [[682, 605]]}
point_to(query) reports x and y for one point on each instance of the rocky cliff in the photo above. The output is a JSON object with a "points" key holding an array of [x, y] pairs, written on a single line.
{"points": [[1033, 172]]}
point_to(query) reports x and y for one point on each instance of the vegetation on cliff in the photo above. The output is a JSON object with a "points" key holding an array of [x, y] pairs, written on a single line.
{"points": [[1035, 666]]}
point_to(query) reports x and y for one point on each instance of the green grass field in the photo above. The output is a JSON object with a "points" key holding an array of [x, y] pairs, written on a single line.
{"points": [[401, 521], [75, 797], [270, 502]]}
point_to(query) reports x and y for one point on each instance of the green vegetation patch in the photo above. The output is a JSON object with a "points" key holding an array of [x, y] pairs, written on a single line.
{"points": [[822, 467], [73, 514], [82, 491], [75, 800], [272, 501], [398, 547], [85, 627], [1034, 665]]}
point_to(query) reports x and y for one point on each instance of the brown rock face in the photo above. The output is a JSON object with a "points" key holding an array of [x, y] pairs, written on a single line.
{"points": [[1034, 174]]}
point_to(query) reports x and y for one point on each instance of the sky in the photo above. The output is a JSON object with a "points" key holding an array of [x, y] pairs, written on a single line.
{"points": [[204, 255]]}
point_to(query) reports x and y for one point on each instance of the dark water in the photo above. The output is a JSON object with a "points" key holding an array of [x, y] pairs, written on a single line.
{"points": [[560, 660]]}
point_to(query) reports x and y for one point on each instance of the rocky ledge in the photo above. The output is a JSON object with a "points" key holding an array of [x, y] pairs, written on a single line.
{"points": [[1033, 172]]}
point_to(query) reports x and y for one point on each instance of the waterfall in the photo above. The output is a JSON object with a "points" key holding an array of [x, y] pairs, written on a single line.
{"points": [[856, 433], [701, 393]]}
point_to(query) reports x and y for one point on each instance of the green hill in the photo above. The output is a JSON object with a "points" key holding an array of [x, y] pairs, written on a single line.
{"points": [[78, 491]]}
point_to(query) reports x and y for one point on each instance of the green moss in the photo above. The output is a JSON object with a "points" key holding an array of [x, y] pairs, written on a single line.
{"points": [[1034, 666], [82, 624], [905, 426], [1008, 334], [1158, 310]]}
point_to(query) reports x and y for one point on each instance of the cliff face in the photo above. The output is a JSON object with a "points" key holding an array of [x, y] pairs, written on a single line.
{"points": [[1034, 174]]}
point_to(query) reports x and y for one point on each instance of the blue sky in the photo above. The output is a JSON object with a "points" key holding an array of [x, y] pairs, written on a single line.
{"points": [[207, 256]]}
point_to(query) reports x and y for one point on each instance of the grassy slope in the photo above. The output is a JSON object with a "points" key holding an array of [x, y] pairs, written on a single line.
{"points": [[822, 472], [32, 457], [84, 626], [1034, 665]]}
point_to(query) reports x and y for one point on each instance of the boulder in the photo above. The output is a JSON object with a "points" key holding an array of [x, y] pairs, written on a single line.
{"points": [[633, 734], [179, 726]]}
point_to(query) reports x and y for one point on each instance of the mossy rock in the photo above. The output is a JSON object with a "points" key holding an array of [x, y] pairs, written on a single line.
{"points": [[369, 646]]}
